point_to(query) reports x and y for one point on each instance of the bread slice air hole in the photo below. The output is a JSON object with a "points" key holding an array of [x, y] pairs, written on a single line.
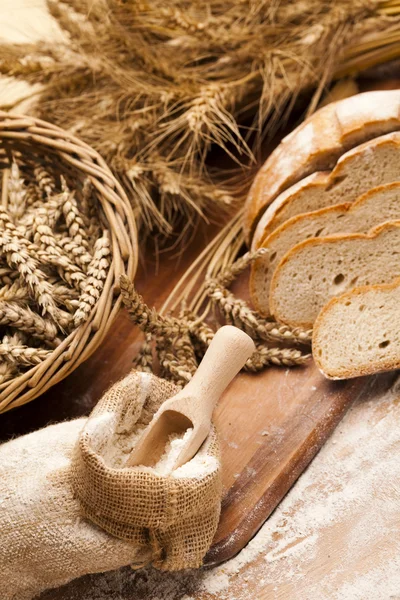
{"points": [[384, 344], [318, 233], [272, 257], [361, 307], [338, 279]]}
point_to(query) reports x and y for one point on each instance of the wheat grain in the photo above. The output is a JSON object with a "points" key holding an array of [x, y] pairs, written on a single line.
{"points": [[75, 252], [32, 197]]}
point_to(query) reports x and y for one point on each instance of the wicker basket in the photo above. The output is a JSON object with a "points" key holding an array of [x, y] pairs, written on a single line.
{"points": [[36, 142]]}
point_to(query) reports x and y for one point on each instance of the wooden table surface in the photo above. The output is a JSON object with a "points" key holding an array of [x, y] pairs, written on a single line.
{"points": [[337, 533]]}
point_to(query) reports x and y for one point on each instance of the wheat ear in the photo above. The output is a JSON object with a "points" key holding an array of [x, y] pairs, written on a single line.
{"points": [[16, 193], [20, 355], [23, 318], [77, 243], [15, 249], [7, 371], [49, 251], [96, 276], [45, 181]]}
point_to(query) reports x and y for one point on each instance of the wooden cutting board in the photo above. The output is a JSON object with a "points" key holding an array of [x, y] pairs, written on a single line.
{"points": [[272, 425]]}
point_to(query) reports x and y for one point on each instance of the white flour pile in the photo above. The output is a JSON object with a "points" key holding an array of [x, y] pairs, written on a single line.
{"points": [[334, 537], [200, 465], [176, 443]]}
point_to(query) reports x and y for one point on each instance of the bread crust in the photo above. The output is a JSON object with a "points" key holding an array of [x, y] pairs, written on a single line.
{"points": [[385, 365], [335, 239], [317, 144]]}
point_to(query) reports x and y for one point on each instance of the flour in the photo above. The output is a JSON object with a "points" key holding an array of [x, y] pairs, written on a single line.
{"points": [[334, 536], [201, 464], [176, 443]]}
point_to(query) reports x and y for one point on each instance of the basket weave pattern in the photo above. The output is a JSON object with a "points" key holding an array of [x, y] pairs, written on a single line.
{"points": [[35, 144]]}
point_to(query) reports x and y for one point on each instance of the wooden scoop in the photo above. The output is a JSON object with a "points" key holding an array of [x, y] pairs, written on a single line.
{"points": [[193, 406]]}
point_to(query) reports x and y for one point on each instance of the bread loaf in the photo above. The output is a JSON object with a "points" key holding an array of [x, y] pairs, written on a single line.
{"points": [[316, 270], [374, 163], [373, 208], [317, 144], [358, 333]]}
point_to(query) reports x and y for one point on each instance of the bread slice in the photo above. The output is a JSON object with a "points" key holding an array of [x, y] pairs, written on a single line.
{"points": [[374, 163], [358, 333], [316, 270], [317, 144], [373, 208]]}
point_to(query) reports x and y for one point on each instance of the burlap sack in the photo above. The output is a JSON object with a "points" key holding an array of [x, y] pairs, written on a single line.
{"points": [[67, 509], [175, 516]]}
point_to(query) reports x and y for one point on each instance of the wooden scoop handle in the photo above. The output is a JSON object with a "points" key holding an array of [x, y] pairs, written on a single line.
{"points": [[226, 355]]}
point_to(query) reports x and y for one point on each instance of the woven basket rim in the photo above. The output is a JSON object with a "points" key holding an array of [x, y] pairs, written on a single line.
{"points": [[17, 130]]}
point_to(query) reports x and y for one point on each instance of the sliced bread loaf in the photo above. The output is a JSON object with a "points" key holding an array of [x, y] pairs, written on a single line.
{"points": [[373, 208], [316, 270], [374, 163], [317, 144], [358, 333]]}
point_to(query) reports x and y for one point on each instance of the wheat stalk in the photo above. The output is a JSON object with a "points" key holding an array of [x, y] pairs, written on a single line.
{"points": [[238, 313]]}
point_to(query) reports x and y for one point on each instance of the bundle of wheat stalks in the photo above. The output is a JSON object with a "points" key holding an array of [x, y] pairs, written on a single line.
{"points": [[54, 259], [155, 86]]}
